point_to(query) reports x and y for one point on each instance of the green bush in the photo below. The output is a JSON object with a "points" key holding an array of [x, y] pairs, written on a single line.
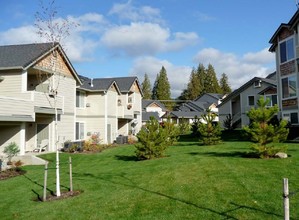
{"points": [[11, 150]]}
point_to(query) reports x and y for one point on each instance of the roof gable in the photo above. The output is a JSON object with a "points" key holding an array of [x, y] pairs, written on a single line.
{"points": [[25, 56], [245, 86]]}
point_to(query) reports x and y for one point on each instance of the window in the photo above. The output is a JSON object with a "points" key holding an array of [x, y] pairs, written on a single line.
{"points": [[273, 100], [257, 84], [294, 118], [130, 99], [287, 50], [289, 86], [80, 99], [251, 100], [79, 131]]}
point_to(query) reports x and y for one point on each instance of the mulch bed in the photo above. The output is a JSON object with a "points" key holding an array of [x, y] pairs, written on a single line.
{"points": [[11, 173], [63, 195]]}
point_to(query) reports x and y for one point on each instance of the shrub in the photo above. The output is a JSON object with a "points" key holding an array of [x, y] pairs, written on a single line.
{"points": [[11, 150], [184, 127], [210, 131], [152, 141], [262, 132], [172, 131], [195, 125]]}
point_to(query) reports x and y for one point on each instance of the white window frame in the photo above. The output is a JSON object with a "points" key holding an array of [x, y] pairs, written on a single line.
{"points": [[270, 96], [81, 134], [287, 116], [82, 99], [294, 51], [282, 89]]}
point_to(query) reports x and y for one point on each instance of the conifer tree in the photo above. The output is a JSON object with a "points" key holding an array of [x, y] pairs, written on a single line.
{"points": [[153, 139], [263, 132], [201, 72], [161, 90], [211, 84], [146, 87], [210, 131], [224, 85], [194, 86]]}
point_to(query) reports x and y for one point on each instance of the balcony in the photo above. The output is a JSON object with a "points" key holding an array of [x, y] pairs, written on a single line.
{"points": [[126, 112], [43, 100], [16, 109]]}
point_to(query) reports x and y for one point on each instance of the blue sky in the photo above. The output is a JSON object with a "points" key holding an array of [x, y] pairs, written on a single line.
{"points": [[134, 37]]}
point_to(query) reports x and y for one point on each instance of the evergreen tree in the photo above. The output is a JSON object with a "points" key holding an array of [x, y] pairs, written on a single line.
{"points": [[210, 131], [146, 87], [202, 75], [263, 132], [224, 85], [194, 86], [154, 91], [211, 83], [153, 139], [161, 90]]}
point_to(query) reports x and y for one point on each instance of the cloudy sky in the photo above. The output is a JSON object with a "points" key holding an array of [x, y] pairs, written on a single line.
{"points": [[133, 37]]}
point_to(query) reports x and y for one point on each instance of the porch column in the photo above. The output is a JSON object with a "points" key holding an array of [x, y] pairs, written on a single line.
{"points": [[22, 138]]}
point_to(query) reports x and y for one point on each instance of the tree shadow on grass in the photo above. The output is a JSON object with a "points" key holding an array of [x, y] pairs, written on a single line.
{"points": [[39, 198], [122, 180], [126, 157], [226, 154]]}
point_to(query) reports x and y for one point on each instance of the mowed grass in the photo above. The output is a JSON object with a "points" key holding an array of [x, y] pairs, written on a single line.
{"points": [[191, 182]]}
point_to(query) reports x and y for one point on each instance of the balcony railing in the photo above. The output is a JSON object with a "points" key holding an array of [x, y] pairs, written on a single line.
{"points": [[14, 107]]}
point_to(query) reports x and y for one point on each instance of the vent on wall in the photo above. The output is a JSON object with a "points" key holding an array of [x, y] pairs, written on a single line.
{"points": [[87, 104]]}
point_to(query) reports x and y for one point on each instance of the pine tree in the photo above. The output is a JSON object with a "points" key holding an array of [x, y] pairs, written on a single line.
{"points": [[211, 84], [263, 132], [202, 75], [153, 140], [194, 86], [210, 131], [154, 91], [224, 85], [161, 90], [146, 87]]}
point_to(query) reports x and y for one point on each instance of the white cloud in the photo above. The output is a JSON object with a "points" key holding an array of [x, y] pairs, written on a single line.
{"points": [[239, 70], [146, 39], [79, 45], [128, 11], [21, 35], [178, 76]]}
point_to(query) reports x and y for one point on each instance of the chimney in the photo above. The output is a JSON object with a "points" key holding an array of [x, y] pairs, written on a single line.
{"points": [[91, 82]]}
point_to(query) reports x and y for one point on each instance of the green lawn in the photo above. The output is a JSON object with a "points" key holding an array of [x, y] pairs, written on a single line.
{"points": [[192, 182]]}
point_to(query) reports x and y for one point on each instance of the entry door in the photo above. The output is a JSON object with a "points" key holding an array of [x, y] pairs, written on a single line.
{"points": [[42, 131]]}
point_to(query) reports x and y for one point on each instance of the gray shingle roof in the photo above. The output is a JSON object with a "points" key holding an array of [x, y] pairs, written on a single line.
{"points": [[147, 115], [147, 102], [99, 84], [103, 84], [20, 56], [182, 114]]}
